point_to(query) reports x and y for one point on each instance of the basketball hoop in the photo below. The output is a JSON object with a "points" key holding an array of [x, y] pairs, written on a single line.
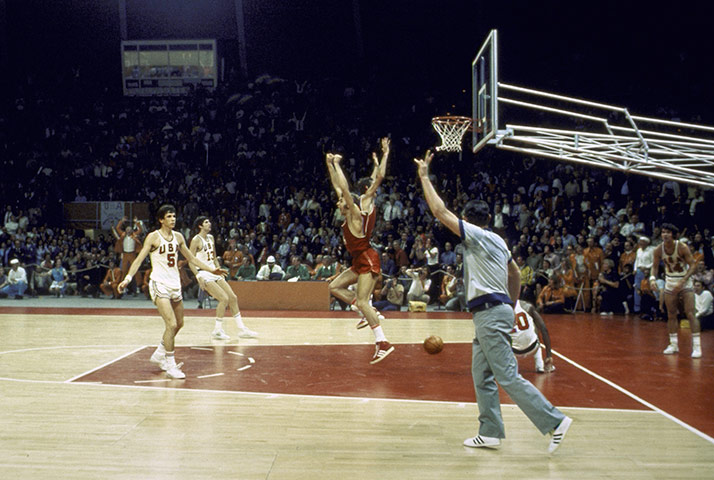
{"points": [[451, 129]]}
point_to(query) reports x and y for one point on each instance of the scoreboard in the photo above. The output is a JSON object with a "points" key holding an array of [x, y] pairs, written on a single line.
{"points": [[167, 67]]}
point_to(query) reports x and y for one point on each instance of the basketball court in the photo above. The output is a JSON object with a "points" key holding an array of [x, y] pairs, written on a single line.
{"points": [[81, 399]]}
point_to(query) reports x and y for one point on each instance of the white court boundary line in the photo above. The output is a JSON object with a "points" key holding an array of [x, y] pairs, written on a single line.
{"points": [[71, 381], [636, 398]]}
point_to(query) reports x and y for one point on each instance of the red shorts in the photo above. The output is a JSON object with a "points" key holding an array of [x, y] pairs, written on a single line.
{"points": [[366, 261]]}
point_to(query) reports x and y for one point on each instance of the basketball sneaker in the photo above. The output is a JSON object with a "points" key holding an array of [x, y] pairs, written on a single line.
{"points": [[696, 352], [158, 359], [246, 332], [219, 334], [382, 349], [671, 349], [480, 441], [173, 371], [559, 434], [362, 323]]}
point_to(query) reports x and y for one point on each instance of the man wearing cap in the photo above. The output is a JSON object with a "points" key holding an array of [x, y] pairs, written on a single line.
{"points": [[270, 271], [16, 280], [643, 264]]}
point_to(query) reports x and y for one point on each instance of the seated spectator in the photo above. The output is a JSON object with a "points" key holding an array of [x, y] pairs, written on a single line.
{"points": [[89, 279], [552, 297], [270, 271], [570, 280], [59, 278], [393, 294], [448, 286], [704, 310], [703, 275], [232, 258], [246, 271], [418, 291], [527, 279], [389, 267], [542, 276], [297, 270], [16, 282], [609, 299], [457, 303], [112, 279], [326, 270], [626, 288]]}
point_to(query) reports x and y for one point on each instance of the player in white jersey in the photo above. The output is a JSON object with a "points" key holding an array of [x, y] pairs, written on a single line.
{"points": [[527, 326], [679, 266], [204, 247], [164, 246]]}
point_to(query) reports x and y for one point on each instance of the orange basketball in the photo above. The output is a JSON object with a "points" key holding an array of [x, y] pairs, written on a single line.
{"points": [[433, 344]]}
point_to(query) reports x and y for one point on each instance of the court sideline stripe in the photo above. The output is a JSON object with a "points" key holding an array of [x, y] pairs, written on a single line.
{"points": [[105, 364], [635, 397]]}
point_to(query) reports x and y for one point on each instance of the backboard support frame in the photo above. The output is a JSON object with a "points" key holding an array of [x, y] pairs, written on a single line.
{"points": [[586, 132]]}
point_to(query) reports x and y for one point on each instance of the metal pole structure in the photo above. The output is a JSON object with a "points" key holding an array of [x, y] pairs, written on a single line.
{"points": [[123, 32], [242, 48]]}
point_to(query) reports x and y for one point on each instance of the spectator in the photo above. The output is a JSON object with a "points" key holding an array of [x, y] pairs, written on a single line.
{"points": [[609, 298], [420, 285], [552, 297], [642, 267], [111, 281], [59, 278], [389, 268], [270, 271], [393, 293], [297, 270], [246, 271], [16, 282], [704, 310], [89, 279]]}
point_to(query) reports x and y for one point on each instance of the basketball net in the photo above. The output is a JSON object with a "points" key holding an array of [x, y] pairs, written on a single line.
{"points": [[451, 129]]}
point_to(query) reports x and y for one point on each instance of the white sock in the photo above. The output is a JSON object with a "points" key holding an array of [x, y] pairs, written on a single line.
{"points": [[239, 321], [696, 341], [673, 339], [379, 334], [219, 324], [539, 359], [170, 359], [161, 350]]}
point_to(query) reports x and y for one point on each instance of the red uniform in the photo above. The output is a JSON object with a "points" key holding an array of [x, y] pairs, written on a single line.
{"points": [[364, 257]]}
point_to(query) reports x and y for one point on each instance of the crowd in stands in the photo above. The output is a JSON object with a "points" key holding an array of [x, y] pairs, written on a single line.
{"points": [[251, 158]]}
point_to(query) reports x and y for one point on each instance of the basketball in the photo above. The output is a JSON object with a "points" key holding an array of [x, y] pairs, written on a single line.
{"points": [[433, 344]]}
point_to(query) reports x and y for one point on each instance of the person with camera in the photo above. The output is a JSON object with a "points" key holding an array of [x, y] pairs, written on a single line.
{"points": [[393, 293]]}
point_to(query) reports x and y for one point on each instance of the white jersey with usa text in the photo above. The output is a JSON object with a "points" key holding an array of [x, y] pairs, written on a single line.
{"points": [[207, 252], [523, 334], [164, 262]]}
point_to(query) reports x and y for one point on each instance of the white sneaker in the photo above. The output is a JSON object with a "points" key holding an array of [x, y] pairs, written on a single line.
{"points": [[559, 434], [158, 359], [479, 441], [246, 332], [219, 334], [696, 352], [174, 371], [671, 349]]}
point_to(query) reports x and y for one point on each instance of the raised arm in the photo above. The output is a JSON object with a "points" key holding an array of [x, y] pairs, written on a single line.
{"points": [[380, 169], [436, 204], [342, 182], [151, 240], [329, 158]]}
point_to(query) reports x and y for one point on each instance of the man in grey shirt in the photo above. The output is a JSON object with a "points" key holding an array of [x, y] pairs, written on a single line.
{"points": [[492, 282]]}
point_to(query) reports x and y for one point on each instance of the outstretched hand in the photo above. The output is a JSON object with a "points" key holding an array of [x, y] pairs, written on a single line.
{"points": [[423, 164], [385, 142]]}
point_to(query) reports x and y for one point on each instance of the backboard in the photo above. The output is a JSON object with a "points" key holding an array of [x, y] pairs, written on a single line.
{"points": [[484, 71]]}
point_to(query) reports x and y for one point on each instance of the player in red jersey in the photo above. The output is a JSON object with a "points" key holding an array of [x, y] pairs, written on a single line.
{"points": [[360, 215]]}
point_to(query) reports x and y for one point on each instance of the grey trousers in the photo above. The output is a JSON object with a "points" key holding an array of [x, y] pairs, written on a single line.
{"points": [[492, 360]]}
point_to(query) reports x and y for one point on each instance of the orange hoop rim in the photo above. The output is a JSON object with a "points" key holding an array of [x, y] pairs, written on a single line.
{"points": [[454, 120]]}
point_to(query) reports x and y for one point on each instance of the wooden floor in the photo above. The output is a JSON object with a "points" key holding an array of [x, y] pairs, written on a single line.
{"points": [[81, 401]]}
